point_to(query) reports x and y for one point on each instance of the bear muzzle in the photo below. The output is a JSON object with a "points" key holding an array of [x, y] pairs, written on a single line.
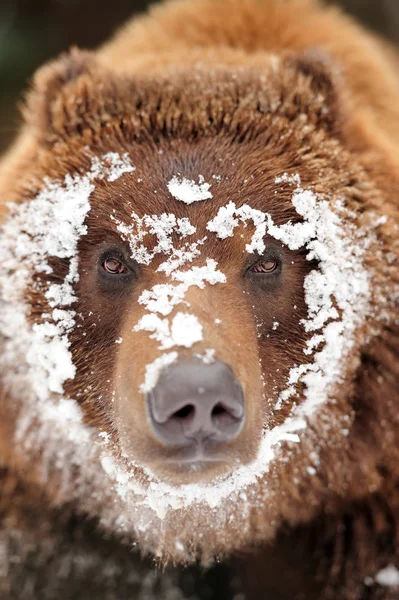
{"points": [[196, 407]]}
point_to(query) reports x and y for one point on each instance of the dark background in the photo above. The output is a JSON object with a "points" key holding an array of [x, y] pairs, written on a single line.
{"points": [[32, 31]]}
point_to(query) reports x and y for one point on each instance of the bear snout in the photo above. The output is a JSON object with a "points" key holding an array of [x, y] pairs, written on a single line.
{"points": [[196, 406]]}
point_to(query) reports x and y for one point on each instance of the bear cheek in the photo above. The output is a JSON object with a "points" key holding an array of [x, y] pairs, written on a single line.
{"points": [[233, 345]]}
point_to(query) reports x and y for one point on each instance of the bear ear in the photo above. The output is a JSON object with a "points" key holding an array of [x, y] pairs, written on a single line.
{"points": [[321, 82], [58, 90]]}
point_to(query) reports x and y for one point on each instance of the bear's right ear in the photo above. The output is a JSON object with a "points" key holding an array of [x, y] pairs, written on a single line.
{"points": [[59, 90]]}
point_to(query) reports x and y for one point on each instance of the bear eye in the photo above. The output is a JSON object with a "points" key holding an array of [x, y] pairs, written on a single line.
{"points": [[113, 266], [266, 266]]}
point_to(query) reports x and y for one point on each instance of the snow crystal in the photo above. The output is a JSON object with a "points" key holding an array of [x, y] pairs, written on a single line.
{"points": [[179, 546], [188, 191], [200, 275], [163, 297], [224, 222], [184, 227], [388, 577], [108, 464], [180, 256]]}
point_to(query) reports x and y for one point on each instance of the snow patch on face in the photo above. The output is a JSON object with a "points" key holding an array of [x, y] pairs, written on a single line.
{"points": [[208, 357], [188, 191], [185, 330], [118, 166], [337, 294], [229, 217], [162, 227], [163, 297], [36, 357], [154, 370], [322, 233]]}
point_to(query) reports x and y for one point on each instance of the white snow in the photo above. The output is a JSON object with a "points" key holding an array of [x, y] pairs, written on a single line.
{"points": [[185, 330], [229, 217], [184, 227], [337, 294], [208, 357], [118, 165], [154, 370], [36, 358], [163, 227], [180, 256], [188, 191], [388, 577], [286, 178]]}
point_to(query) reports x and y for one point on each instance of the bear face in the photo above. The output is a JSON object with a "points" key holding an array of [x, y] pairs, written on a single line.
{"points": [[213, 225]]}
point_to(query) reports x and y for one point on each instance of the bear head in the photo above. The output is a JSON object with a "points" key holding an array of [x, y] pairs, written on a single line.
{"points": [[199, 266]]}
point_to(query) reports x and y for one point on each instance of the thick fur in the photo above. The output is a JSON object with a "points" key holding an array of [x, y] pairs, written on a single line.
{"points": [[257, 88]]}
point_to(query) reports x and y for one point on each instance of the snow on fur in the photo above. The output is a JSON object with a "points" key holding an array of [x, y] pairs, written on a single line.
{"points": [[336, 294], [188, 191], [36, 357], [185, 330]]}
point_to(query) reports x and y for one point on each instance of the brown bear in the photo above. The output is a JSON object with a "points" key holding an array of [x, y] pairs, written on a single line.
{"points": [[199, 324]]}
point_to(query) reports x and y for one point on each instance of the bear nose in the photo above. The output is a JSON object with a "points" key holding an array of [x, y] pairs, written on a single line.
{"points": [[194, 401]]}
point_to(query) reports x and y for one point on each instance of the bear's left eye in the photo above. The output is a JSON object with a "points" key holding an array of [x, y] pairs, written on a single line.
{"points": [[113, 266], [266, 266]]}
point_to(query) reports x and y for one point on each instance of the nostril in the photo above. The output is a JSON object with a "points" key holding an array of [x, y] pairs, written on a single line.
{"points": [[184, 413], [218, 410]]}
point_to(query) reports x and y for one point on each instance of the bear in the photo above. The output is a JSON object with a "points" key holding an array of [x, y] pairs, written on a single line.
{"points": [[199, 324]]}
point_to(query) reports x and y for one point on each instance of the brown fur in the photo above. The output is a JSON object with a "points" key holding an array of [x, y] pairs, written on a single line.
{"points": [[219, 102]]}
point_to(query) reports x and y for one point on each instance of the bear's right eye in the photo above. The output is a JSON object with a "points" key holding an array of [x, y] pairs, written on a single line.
{"points": [[115, 270]]}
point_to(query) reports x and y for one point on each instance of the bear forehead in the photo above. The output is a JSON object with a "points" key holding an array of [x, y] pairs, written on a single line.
{"points": [[89, 101]]}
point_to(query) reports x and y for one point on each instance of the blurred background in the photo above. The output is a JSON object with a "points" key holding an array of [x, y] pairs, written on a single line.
{"points": [[32, 31]]}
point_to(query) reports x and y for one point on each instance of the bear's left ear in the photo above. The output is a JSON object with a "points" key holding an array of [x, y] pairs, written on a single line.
{"points": [[61, 95], [319, 86]]}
